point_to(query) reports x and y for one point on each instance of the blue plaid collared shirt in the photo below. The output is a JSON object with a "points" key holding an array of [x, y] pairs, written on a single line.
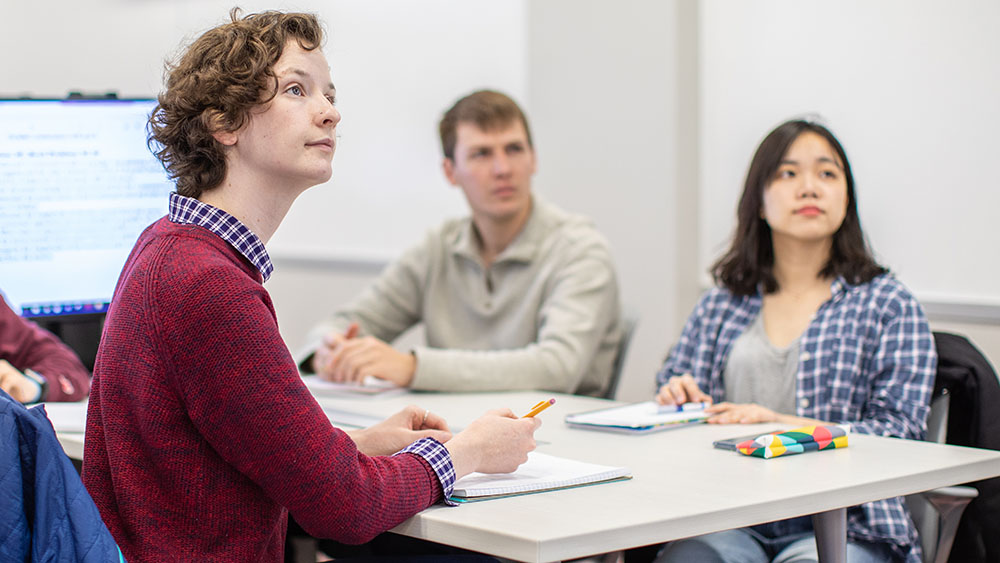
{"points": [[867, 358], [440, 461], [190, 211]]}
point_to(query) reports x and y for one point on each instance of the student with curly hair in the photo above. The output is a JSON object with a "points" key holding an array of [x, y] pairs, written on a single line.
{"points": [[201, 436]]}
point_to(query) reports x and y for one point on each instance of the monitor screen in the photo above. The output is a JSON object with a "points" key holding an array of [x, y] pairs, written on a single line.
{"points": [[77, 187]]}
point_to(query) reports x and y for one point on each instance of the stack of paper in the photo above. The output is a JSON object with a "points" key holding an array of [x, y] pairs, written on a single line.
{"points": [[539, 474]]}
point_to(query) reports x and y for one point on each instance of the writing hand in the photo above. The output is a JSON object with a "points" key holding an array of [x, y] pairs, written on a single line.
{"points": [[497, 442], [681, 389]]}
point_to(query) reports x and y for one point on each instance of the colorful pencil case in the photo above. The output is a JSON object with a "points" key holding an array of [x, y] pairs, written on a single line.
{"points": [[795, 441]]}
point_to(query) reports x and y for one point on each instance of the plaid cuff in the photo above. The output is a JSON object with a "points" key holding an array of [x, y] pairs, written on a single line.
{"points": [[440, 461]]}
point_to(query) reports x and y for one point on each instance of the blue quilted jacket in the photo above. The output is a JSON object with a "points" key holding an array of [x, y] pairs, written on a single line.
{"points": [[45, 512]]}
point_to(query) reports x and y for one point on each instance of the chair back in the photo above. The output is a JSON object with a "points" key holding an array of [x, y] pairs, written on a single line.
{"points": [[924, 513], [964, 388], [629, 322], [937, 419]]}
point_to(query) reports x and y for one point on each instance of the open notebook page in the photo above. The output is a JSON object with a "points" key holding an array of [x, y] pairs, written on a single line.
{"points": [[541, 472]]}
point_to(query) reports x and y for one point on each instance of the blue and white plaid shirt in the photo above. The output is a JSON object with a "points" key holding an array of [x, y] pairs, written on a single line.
{"points": [[190, 211], [440, 461], [867, 358]]}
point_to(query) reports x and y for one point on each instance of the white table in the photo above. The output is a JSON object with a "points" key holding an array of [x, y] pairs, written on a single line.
{"points": [[682, 486], [69, 420]]}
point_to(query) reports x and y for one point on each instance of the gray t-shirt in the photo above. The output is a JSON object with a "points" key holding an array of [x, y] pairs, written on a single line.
{"points": [[759, 372]]}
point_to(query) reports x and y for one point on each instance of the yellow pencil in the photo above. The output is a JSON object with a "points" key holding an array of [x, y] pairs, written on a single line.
{"points": [[542, 405]]}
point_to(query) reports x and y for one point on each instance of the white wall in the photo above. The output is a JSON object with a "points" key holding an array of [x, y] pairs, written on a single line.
{"points": [[911, 89], [604, 104]]}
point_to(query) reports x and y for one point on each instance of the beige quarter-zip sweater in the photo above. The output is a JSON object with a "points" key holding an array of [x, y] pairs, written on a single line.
{"points": [[545, 315]]}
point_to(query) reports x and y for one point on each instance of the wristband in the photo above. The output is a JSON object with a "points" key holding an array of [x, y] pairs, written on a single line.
{"points": [[37, 379]]}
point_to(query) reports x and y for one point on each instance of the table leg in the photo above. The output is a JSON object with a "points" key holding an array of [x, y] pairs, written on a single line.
{"points": [[831, 535]]}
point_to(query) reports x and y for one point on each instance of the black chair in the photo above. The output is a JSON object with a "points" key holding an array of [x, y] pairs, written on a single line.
{"points": [[971, 392], [937, 513]]}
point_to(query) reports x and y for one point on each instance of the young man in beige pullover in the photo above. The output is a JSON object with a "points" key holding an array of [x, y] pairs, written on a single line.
{"points": [[520, 295]]}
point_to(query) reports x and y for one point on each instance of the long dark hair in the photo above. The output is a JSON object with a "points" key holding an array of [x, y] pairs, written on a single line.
{"points": [[749, 262]]}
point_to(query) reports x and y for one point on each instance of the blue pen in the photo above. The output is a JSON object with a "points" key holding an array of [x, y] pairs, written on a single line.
{"points": [[693, 406]]}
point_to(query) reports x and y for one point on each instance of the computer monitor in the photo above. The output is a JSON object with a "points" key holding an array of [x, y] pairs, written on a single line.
{"points": [[77, 187]]}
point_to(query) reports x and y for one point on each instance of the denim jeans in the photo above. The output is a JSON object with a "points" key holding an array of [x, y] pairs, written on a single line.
{"points": [[787, 541]]}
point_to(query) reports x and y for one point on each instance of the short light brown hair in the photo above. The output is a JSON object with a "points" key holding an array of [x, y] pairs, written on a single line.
{"points": [[487, 109], [218, 80]]}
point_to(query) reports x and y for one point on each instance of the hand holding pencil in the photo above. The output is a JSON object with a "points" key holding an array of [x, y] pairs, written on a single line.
{"points": [[497, 442]]}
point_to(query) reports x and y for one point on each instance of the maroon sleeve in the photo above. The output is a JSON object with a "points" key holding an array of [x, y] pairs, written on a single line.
{"points": [[242, 391], [27, 346]]}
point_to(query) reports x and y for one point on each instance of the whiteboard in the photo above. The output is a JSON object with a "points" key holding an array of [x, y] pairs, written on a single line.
{"points": [[397, 64], [911, 89]]}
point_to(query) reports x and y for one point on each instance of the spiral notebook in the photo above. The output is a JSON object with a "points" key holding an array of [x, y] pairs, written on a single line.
{"points": [[539, 474]]}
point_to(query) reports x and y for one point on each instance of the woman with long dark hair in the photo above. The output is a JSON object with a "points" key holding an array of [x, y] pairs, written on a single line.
{"points": [[804, 327]]}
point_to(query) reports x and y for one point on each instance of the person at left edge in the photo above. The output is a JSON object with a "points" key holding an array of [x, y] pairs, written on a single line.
{"points": [[35, 365], [201, 436]]}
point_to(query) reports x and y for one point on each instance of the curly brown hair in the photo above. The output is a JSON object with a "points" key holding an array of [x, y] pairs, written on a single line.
{"points": [[220, 78]]}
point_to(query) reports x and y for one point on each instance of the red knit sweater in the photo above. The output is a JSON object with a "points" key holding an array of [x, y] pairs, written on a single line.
{"points": [[200, 432]]}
